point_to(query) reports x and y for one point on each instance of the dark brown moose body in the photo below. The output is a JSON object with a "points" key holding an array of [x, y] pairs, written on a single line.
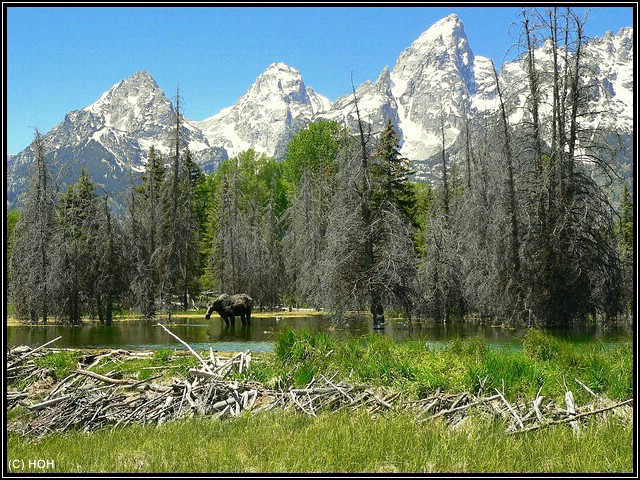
{"points": [[230, 306]]}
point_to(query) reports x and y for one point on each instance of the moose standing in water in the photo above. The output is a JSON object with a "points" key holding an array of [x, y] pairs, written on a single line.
{"points": [[228, 306]]}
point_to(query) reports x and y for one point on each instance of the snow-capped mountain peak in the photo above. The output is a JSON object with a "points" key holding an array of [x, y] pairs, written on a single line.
{"points": [[272, 110], [281, 80], [433, 81], [131, 103]]}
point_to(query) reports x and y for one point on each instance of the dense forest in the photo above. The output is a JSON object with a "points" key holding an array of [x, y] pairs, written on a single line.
{"points": [[514, 229]]}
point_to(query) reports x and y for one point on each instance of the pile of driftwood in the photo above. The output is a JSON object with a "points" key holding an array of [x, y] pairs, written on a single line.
{"points": [[20, 364], [88, 401], [523, 416]]}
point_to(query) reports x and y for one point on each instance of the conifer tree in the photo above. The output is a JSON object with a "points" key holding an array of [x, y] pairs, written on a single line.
{"points": [[31, 256], [391, 173], [176, 256], [74, 268], [143, 232]]}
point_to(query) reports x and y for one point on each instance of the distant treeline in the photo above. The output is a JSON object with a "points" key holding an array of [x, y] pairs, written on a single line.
{"points": [[515, 229]]}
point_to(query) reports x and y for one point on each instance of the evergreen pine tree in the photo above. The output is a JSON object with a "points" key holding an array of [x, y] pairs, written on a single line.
{"points": [[30, 261], [391, 172]]}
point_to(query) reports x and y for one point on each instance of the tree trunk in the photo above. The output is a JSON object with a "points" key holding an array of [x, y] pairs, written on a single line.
{"points": [[375, 304]]}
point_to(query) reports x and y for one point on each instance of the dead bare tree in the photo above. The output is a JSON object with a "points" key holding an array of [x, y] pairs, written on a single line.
{"points": [[369, 258], [568, 239]]}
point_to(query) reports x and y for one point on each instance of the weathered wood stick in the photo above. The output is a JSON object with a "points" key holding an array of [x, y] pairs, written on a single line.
{"points": [[513, 412], [251, 402], [61, 383], [381, 401], [338, 388], [145, 382], [460, 398], [539, 391], [299, 404], [571, 409], [536, 406], [97, 376], [586, 388], [206, 367], [136, 410], [99, 358], [460, 408], [224, 410], [21, 367], [482, 382], [319, 390], [223, 370], [212, 357], [572, 418], [199, 373], [15, 395], [188, 394], [31, 352], [391, 397], [229, 401], [238, 404], [430, 406], [35, 372], [48, 403], [241, 362]]}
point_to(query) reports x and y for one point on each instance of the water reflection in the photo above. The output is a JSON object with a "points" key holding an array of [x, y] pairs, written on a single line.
{"points": [[259, 336]]}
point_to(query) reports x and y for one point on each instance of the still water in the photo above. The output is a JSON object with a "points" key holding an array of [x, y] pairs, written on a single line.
{"points": [[201, 334]]}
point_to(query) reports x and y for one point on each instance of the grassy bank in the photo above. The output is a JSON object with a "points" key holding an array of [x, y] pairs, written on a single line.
{"points": [[417, 368], [355, 441], [200, 313]]}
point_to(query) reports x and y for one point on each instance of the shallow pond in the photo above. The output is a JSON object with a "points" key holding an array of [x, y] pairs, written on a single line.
{"points": [[259, 336]]}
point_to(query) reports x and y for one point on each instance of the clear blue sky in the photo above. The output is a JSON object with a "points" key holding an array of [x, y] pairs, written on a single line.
{"points": [[62, 59]]}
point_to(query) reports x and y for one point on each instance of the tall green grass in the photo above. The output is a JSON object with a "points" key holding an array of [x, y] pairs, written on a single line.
{"points": [[337, 442], [417, 368]]}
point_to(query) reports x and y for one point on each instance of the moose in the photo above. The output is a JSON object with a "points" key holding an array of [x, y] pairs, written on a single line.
{"points": [[228, 306]]}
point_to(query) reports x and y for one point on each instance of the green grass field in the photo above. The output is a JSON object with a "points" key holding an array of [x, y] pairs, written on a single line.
{"points": [[333, 442], [355, 441]]}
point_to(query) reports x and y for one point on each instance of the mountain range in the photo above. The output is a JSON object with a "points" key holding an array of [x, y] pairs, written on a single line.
{"points": [[436, 82]]}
